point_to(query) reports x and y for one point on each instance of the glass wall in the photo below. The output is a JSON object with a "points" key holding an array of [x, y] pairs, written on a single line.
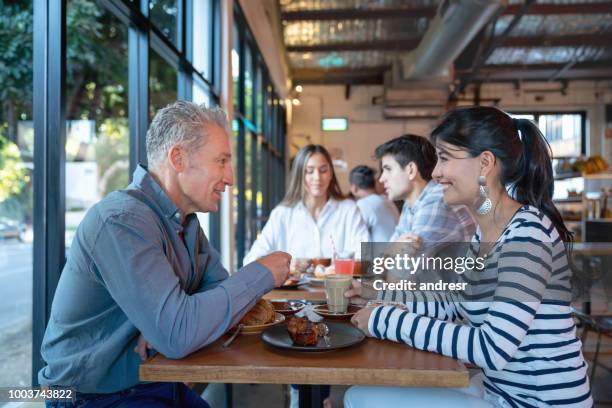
{"points": [[97, 139], [164, 15], [564, 131], [122, 61], [162, 83], [102, 68], [16, 193], [259, 133]]}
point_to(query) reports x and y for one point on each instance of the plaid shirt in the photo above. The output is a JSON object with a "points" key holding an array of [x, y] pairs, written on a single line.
{"points": [[433, 220]]}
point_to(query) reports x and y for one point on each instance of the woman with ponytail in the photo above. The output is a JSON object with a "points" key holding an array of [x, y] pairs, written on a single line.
{"points": [[514, 322]]}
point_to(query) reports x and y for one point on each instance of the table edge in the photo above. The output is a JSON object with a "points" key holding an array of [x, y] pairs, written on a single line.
{"points": [[306, 375]]}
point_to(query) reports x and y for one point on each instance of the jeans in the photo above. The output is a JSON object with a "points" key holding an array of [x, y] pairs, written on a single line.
{"points": [[153, 395], [473, 396]]}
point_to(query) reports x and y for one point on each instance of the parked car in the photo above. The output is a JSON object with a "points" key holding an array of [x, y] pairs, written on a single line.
{"points": [[11, 229]]}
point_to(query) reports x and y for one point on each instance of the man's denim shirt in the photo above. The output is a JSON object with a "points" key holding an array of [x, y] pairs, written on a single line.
{"points": [[130, 270]]}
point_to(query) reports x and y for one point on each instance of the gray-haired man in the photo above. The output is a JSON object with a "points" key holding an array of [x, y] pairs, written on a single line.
{"points": [[140, 264]]}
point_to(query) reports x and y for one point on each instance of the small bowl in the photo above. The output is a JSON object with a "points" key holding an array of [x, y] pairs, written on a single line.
{"points": [[287, 307]]}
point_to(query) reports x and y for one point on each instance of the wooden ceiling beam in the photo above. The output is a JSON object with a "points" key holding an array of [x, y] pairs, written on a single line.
{"points": [[573, 40], [542, 72], [407, 44], [430, 12], [586, 64], [351, 76], [358, 14], [561, 9], [488, 73]]}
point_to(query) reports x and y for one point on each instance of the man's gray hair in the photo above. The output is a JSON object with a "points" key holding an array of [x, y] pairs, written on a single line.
{"points": [[184, 123]]}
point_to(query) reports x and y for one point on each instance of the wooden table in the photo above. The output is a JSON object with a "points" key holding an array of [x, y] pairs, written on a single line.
{"points": [[249, 360], [305, 292]]}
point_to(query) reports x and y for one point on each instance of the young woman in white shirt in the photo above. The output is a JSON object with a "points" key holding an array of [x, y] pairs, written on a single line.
{"points": [[314, 215]]}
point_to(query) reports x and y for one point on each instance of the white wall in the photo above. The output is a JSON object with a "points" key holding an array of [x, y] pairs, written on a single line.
{"points": [[367, 128]]}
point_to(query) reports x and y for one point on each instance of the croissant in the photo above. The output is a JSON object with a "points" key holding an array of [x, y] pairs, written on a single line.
{"points": [[261, 313]]}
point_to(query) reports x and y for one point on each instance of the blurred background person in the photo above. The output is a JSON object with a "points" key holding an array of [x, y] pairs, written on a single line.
{"points": [[314, 215], [314, 220], [407, 162], [380, 215]]}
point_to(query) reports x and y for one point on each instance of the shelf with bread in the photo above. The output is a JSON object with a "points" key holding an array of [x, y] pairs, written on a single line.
{"points": [[582, 188], [579, 166]]}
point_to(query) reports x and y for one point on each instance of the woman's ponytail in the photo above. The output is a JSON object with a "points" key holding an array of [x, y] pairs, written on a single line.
{"points": [[535, 186], [534, 183], [525, 157]]}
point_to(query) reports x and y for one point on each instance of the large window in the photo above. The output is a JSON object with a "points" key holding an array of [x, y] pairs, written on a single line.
{"points": [[16, 192], [121, 62], [259, 140], [162, 83], [97, 141], [164, 16], [565, 132], [101, 69]]}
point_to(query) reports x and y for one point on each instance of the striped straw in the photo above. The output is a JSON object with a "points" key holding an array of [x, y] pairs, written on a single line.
{"points": [[331, 238]]}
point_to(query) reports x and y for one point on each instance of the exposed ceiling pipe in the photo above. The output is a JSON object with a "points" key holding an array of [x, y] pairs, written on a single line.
{"points": [[496, 42], [455, 25]]}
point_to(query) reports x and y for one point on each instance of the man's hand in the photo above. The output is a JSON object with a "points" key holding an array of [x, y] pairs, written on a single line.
{"points": [[278, 264], [141, 347]]}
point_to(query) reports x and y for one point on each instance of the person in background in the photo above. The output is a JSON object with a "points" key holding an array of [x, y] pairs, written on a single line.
{"points": [[314, 216], [314, 220], [520, 334], [379, 214], [141, 272]]}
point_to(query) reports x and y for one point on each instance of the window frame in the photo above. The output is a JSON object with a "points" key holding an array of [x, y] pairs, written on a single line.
{"points": [[581, 113], [49, 68], [266, 137]]}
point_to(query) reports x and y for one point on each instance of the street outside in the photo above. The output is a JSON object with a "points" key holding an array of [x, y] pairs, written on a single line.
{"points": [[15, 313], [16, 263]]}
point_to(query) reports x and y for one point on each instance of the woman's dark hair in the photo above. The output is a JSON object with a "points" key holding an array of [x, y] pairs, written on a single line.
{"points": [[363, 177], [295, 190], [410, 148], [520, 147]]}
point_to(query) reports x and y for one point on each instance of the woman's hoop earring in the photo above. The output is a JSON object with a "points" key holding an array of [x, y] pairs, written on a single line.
{"points": [[485, 202]]}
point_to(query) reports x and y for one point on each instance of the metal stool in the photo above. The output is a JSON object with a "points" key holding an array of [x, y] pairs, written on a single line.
{"points": [[600, 324]]}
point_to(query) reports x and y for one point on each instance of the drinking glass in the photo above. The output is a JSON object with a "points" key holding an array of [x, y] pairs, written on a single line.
{"points": [[344, 263]]}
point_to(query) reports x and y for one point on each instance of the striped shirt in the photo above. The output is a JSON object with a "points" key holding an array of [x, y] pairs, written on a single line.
{"points": [[433, 220], [522, 336]]}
